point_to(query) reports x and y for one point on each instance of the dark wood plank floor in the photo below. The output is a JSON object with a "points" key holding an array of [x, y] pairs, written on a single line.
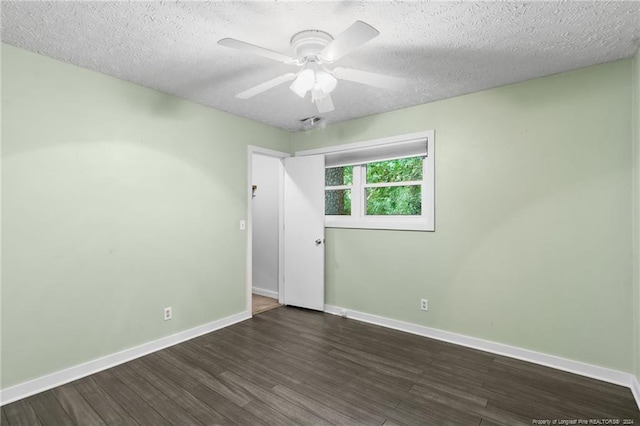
{"points": [[291, 366]]}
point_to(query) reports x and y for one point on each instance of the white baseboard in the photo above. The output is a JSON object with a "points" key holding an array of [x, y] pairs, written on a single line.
{"points": [[265, 293], [635, 389], [58, 378], [576, 367]]}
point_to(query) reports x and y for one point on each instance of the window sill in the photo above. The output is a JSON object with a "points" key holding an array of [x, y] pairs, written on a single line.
{"points": [[390, 223]]}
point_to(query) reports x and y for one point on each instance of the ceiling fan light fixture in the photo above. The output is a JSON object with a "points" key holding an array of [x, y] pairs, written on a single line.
{"points": [[312, 49], [317, 93], [326, 82], [303, 83]]}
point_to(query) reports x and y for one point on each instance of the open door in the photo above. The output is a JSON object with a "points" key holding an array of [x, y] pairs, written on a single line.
{"points": [[304, 232]]}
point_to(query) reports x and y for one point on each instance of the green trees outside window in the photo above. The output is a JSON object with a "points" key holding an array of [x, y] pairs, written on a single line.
{"points": [[338, 201], [391, 187]]}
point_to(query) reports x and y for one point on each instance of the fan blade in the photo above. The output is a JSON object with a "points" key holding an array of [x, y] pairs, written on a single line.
{"points": [[263, 87], [370, 78], [256, 50], [353, 37], [325, 104]]}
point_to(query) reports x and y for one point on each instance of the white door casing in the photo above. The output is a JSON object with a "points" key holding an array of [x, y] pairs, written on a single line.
{"points": [[304, 232]]}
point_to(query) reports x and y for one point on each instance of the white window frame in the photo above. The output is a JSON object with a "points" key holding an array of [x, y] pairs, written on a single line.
{"points": [[358, 219]]}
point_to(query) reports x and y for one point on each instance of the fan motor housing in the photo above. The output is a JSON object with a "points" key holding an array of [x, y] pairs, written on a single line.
{"points": [[309, 43]]}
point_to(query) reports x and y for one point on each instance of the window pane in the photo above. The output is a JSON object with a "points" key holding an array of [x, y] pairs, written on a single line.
{"points": [[394, 200], [401, 170], [335, 176], [337, 202]]}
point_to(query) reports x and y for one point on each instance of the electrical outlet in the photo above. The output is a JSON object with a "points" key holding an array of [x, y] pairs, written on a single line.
{"points": [[424, 304], [167, 313], [243, 225]]}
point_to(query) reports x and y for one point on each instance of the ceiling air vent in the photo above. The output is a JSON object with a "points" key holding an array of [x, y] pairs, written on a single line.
{"points": [[311, 122]]}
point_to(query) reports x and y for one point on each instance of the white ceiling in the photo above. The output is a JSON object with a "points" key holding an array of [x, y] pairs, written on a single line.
{"points": [[443, 49]]}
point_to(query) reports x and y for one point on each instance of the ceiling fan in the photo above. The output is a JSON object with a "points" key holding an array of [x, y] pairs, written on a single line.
{"points": [[314, 50]]}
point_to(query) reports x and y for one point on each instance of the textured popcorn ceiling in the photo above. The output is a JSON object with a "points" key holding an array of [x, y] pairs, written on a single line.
{"points": [[443, 49]]}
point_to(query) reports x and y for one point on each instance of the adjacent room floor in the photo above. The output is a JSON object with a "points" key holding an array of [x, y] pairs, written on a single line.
{"points": [[289, 366], [262, 304]]}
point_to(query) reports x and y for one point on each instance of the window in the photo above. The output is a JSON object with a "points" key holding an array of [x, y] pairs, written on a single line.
{"points": [[384, 184]]}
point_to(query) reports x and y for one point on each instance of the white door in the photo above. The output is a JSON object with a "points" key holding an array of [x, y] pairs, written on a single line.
{"points": [[304, 232]]}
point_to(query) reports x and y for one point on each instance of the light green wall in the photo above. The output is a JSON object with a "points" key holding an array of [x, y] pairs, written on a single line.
{"points": [[117, 201], [532, 246], [636, 214]]}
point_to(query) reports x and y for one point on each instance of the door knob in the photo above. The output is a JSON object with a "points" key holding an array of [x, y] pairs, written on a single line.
{"points": [[318, 241]]}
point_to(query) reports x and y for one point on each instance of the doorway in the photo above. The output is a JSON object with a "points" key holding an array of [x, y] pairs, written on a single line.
{"points": [[265, 224], [293, 190]]}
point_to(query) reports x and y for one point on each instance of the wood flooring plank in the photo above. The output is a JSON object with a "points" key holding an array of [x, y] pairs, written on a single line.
{"points": [[373, 401], [321, 410], [49, 410], [202, 412], [235, 395], [342, 400], [276, 359], [78, 409], [267, 414], [439, 390], [135, 406], [4, 420], [164, 405], [188, 355], [281, 366], [504, 416], [351, 389], [376, 366], [236, 415], [304, 364], [232, 412], [293, 411], [486, 422], [438, 413], [395, 358], [359, 335], [20, 413], [565, 382], [456, 379], [507, 392], [260, 373], [571, 388], [260, 350], [107, 408], [442, 402], [468, 371], [386, 381]]}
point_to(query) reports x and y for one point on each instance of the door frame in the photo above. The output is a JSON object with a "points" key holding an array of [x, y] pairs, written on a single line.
{"points": [[251, 150]]}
